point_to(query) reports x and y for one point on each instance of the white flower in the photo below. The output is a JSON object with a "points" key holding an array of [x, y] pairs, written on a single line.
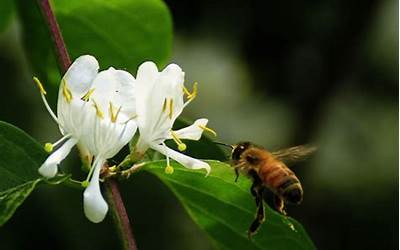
{"points": [[159, 101], [96, 110]]}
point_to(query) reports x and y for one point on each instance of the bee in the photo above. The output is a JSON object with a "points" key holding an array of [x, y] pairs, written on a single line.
{"points": [[269, 171]]}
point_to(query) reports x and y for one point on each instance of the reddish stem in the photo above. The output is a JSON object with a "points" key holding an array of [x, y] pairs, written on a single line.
{"points": [[114, 197], [119, 214], [61, 51]]}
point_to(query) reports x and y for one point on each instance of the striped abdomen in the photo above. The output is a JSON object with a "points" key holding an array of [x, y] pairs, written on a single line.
{"points": [[281, 180]]}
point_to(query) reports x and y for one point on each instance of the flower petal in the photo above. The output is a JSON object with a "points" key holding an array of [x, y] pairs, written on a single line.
{"points": [[116, 87], [185, 160], [94, 205], [81, 74], [192, 132], [49, 167], [160, 100]]}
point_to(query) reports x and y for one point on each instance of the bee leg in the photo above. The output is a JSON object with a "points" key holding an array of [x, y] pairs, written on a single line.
{"points": [[279, 205], [237, 174], [260, 217], [256, 188]]}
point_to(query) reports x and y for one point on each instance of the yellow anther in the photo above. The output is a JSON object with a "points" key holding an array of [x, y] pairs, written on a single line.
{"points": [[169, 169], [40, 86], [48, 147], [209, 130], [66, 92], [192, 95], [186, 91], [113, 115], [171, 108], [164, 107], [99, 113], [181, 145], [87, 95], [85, 184]]}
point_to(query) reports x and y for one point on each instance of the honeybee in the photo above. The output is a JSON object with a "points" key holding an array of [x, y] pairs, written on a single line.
{"points": [[268, 170]]}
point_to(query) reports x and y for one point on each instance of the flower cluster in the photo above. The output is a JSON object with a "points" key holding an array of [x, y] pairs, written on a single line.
{"points": [[101, 112]]}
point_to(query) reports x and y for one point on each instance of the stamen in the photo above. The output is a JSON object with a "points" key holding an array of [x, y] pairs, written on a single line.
{"points": [[40, 86], [66, 92], [181, 145], [193, 95], [87, 95], [48, 147], [99, 113], [113, 115], [164, 107], [168, 169], [171, 108], [42, 94], [209, 130], [186, 91]]}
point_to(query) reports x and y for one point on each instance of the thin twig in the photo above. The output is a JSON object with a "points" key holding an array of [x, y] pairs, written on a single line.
{"points": [[114, 197]]}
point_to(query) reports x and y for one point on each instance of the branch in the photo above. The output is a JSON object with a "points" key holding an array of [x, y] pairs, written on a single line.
{"points": [[113, 195], [120, 217], [61, 51]]}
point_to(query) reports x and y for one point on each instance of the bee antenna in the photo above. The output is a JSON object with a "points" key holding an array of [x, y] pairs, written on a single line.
{"points": [[224, 144]]}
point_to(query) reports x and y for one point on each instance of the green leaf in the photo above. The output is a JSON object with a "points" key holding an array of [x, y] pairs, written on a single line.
{"points": [[122, 33], [20, 158], [11, 199], [6, 12], [119, 33], [225, 209]]}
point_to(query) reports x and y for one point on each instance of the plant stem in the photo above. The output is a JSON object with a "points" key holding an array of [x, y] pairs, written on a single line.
{"points": [[120, 217], [61, 51], [117, 206]]}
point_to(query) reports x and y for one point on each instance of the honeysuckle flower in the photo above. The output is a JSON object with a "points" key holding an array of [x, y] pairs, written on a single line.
{"points": [[159, 101], [96, 110]]}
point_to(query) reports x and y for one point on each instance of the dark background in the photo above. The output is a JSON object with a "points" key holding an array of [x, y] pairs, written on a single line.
{"points": [[278, 73]]}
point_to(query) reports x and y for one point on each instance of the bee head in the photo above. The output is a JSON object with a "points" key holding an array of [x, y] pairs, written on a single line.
{"points": [[239, 149]]}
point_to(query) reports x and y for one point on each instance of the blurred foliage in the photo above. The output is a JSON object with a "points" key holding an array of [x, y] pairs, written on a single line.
{"points": [[6, 13]]}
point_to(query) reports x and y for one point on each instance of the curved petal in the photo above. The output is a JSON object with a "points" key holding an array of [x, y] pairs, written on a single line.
{"points": [[115, 87], [192, 132], [159, 100], [185, 160], [49, 167], [94, 205], [149, 100], [80, 74]]}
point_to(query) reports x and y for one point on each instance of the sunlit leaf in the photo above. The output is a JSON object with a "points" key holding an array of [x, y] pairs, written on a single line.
{"points": [[225, 209]]}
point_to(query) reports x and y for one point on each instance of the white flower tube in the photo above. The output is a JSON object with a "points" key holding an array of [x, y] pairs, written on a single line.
{"points": [[98, 111], [159, 101]]}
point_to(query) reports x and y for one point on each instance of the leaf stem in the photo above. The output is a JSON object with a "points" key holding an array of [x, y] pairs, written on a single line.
{"points": [[118, 211]]}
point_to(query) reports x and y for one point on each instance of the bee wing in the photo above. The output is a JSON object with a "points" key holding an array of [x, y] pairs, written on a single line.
{"points": [[294, 154]]}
